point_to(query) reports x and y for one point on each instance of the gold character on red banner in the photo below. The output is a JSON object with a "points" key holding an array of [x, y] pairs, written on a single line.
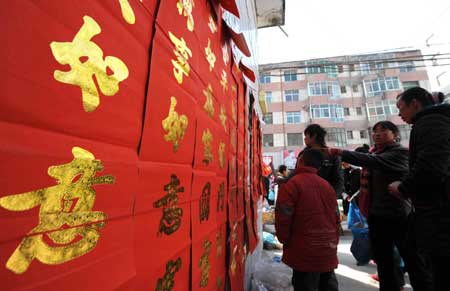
{"points": [[85, 59], [175, 125], [212, 25], [219, 239], [233, 111], [219, 283], [204, 264], [209, 103], [182, 52], [171, 219], [233, 235], [224, 81], [185, 8], [221, 197], [207, 152], [222, 155], [167, 282], [127, 11], [67, 204], [204, 206], [210, 56], [223, 117]]}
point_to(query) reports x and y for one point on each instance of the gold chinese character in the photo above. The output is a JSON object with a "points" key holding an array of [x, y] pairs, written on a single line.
{"points": [[167, 282], [171, 218], [204, 264], [219, 283], [207, 152], [182, 52], [222, 155], [175, 125], [85, 59], [233, 236], [204, 202], [233, 88], [224, 81], [212, 25], [65, 214], [127, 11], [219, 242], [221, 197], [185, 8], [210, 56], [223, 117], [209, 103], [233, 111]]}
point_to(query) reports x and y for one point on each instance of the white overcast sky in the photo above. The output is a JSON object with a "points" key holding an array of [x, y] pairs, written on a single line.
{"points": [[326, 28]]}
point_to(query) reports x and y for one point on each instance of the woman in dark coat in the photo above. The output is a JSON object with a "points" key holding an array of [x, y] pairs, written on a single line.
{"points": [[387, 216]]}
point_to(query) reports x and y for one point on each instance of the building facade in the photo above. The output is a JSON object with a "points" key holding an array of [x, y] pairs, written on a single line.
{"points": [[346, 95]]}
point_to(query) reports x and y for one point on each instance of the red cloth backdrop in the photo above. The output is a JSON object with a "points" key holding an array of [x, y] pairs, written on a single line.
{"points": [[125, 142]]}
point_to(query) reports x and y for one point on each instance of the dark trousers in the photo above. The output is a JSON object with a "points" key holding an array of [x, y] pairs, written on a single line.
{"points": [[314, 281], [384, 234]]}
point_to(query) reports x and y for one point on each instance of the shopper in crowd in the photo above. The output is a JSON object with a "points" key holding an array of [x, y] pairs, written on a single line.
{"points": [[387, 216], [306, 223], [427, 184], [352, 177], [282, 175]]}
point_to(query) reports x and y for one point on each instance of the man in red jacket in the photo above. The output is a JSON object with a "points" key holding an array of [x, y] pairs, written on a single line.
{"points": [[306, 223]]}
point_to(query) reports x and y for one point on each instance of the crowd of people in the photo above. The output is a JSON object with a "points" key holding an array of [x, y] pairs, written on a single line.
{"points": [[404, 194]]}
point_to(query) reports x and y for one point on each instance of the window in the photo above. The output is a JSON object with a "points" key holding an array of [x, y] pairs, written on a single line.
{"points": [[380, 85], [268, 118], [264, 78], [340, 69], [351, 67], [343, 89], [268, 140], [365, 69], [333, 111], [404, 131], [409, 85], [290, 76], [268, 97], [337, 135], [355, 88], [293, 117], [349, 134], [363, 134], [359, 111], [406, 66], [294, 139], [324, 88], [321, 67], [346, 111], [380, 110], [291, 95]]}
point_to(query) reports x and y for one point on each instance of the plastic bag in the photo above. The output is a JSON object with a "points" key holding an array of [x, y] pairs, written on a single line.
{"points": [[355, 220], [360, 247], [272, 275]]}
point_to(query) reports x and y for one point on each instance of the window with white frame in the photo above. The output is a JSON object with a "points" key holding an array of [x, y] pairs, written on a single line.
{"points": [[380, 110], [293, 117], [321, 67], [349, 134], [290, 76], [264, 78], [294, 139], [346, 111], [410, 84], [363, 134], [291, 95], [380, 85], [343, 89], [333, 111], [268, 140], [406, 66], [337, 135], [365, 69], [268, 118], [359, 111], [268, 97], [324, 88]]}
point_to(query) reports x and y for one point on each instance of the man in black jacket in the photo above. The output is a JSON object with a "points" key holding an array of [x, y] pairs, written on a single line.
{"points": [[427, 184]]}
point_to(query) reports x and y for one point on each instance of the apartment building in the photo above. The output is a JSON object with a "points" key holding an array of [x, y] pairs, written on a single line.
{"points": [[347, 95]]}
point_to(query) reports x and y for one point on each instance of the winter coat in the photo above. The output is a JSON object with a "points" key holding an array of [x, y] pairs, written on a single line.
{"points": [[331, 171], [428, 180], [385, 167], [306, 222]]}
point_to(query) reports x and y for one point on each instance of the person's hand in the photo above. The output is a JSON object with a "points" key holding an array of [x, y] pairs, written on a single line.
{"points": [[393, 189]]}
